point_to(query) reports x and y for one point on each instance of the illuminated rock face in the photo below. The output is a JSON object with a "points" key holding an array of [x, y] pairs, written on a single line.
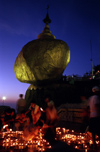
{"points": [[43, 59]]}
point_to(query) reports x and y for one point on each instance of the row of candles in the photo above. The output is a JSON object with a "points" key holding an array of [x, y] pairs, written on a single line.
{"points": [[15, 139], [81, 141]]}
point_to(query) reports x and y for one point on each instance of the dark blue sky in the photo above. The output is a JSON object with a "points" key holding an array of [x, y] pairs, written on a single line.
{"points": [[74, 21]]}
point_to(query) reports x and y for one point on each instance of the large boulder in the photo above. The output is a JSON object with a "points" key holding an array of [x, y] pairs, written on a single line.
{"points": [[43, 59]]}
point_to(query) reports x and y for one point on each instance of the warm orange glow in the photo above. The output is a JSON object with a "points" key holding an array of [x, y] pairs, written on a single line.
{"points": [[15, 139]]}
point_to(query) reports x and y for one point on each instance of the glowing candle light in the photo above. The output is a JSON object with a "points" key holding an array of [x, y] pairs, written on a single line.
{"points": [[77, 140]]}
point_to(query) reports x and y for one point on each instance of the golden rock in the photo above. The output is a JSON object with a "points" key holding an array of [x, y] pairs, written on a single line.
{"points": [[43, 59]]}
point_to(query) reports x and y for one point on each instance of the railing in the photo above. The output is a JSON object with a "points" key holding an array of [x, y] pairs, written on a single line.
{"points": [[71, 115]]}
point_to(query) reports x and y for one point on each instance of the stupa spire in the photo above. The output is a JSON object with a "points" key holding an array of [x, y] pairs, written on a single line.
{"points": [[46, 33], [47, 20]]}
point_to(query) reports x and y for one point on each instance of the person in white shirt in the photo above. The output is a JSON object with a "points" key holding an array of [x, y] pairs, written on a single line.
{"points": [[21, 104], [94, 106]]}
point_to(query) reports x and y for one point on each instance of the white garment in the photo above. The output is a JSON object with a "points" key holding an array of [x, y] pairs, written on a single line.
{"points": [[93, 101], [51, 114], [21, 102], [21, 105]]}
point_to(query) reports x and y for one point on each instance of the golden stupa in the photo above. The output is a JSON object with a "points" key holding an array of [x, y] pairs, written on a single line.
{"points": [[43, 59]]}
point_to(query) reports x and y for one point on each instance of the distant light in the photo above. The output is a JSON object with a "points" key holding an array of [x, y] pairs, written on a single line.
{"points": [[93, 76], [3, 98]]}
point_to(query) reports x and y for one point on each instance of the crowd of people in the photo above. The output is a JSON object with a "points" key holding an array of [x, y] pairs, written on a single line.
{"points": [[32, 119], [35, 117]]}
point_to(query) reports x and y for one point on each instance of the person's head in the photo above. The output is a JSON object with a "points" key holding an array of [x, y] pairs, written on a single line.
{"points": [[21, 95], [47, 99], [33, 104], [96, 90], [50, 104]]}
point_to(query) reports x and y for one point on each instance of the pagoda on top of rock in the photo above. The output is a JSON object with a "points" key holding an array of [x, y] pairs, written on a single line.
{"points": [[43, 59]]}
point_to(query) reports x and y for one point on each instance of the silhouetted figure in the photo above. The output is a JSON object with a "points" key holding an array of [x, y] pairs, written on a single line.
{"points": [[21, 104], [36, 122], [9, 117], [85, 113], [51, 116], [94, 105], [38, 115]]}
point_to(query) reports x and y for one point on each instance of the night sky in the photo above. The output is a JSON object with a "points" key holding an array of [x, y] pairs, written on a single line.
{"points": [[77, 22]]}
